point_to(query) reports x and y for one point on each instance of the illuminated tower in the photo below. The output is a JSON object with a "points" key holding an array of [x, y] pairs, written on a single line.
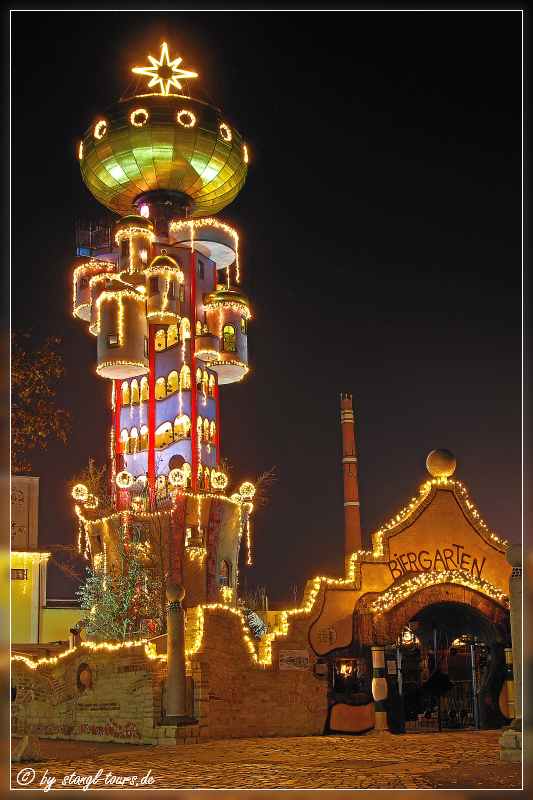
{"points": [[352, 519], [171, 327]]}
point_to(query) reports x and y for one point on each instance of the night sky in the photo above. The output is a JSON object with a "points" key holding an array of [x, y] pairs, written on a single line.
{"points": [[380, 231]]}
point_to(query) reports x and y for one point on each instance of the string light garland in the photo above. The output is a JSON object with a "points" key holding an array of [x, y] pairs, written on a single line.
{"points": [[179, 225], [225, 132], [181, 115], [124, 480], [100, 129], [398, 593]]}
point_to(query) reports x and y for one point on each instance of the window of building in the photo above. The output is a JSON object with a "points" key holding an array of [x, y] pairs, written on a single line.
{"points": [[185, 328], [19, 574], [146, 351], [205, 382], [228, 339], [113, 340], [143, 253], [125, 248], [199, 379], [172, 335], [160, 389], [134, 440], [143, 440], [224, 573], [153, 285], [182, 427], [244, 325], [212, 431], [207, 479], [144, 389], [211, 385], [134, 391], [206, 430], [170, 290], [185, 377], [84, 281], [160, 339], [198, 327], [182, 293], [173, 382], [164, 435], [125, 393], [200, 269], [124, 439]]}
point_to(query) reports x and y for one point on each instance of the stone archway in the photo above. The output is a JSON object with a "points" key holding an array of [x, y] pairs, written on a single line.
{"points": [[456, 611]]}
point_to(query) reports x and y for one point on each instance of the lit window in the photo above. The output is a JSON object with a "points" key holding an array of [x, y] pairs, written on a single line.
{"points": [[164, 435], [19, 574], [228, 339], [243, 325], [185, 377], [134, 391], [144, 389], [172, 335], [113, 340], [211, 384], [224, 573], [199, 379], [182, 427], [143, 442], [125, 392], [144, 211], [212, 432], [160, 389], [172, 382], [206, 430], [185, 328], [160, 339], [144, 255], [205, 382], [153, 286]]}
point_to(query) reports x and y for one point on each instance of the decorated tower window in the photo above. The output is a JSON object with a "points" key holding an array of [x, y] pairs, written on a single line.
{"points": [[160, 389], [143, 255], [172, 335], [185, 377], [153, 286], [170, 290], [199, 379], [211, 385], [228, 339], [244, 328], [160, 339], [125, 248], [172, 382], [113, 340], [144, 389], [224, 573]]}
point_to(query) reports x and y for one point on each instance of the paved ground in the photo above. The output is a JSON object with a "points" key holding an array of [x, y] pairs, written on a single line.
{"points": [[459, 760]]}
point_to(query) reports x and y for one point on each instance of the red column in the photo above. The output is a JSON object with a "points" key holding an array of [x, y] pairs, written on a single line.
{"points": [[118, 404], [352, 518], [216, 395], [151, 412], [194, 398]]}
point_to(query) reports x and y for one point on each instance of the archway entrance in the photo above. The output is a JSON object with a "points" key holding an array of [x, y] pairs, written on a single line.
{"points": [[451, 669]]}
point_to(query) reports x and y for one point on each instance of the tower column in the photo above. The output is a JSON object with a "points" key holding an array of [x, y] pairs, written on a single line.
{"points": [[352, 518]]}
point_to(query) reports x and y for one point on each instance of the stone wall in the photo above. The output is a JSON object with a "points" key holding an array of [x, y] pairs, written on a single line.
{"points": [[234, 695]]}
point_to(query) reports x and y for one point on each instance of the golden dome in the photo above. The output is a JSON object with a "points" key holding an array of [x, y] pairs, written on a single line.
{"points": [[134, 221], [164, 262], [163, 142], [224, 295]]}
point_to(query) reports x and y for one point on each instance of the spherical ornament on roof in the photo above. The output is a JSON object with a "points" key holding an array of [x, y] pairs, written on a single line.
{"points": [[166, 143], [225, 295], [175, 592], [513, 554], [134, 221], [441, 463]]}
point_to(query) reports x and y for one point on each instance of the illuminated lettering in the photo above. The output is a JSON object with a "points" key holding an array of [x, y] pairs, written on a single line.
{"points": [[477, 567], [448, 555], [464, 558], [393, 566]]}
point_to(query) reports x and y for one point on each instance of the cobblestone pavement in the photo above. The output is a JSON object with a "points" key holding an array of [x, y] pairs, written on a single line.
{"points": [[459, 760]]}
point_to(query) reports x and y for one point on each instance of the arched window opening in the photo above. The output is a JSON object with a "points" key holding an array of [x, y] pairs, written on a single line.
{"points": [[173, 382], [185, 377], [160, 389], [206, 430], [134, 440], [135, 391], [172, 335], [164, 435], [199, 379], [224, 573], [213, 432], [182, 427], [124, 438], [213, 471], [199, 427], [187, 470], [144, 389], [185, 328], [207, 479], [125, 392], [160, 339], [205, 382], [198, 327], [228, 339], [211, 385], [143, 441]]}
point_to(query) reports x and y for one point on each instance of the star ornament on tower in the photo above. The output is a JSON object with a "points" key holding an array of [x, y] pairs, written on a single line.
{"points": [[165, 72]]}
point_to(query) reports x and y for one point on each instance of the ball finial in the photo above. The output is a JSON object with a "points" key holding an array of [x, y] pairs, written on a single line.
{"points": [[441, 463], [175, 592]]}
